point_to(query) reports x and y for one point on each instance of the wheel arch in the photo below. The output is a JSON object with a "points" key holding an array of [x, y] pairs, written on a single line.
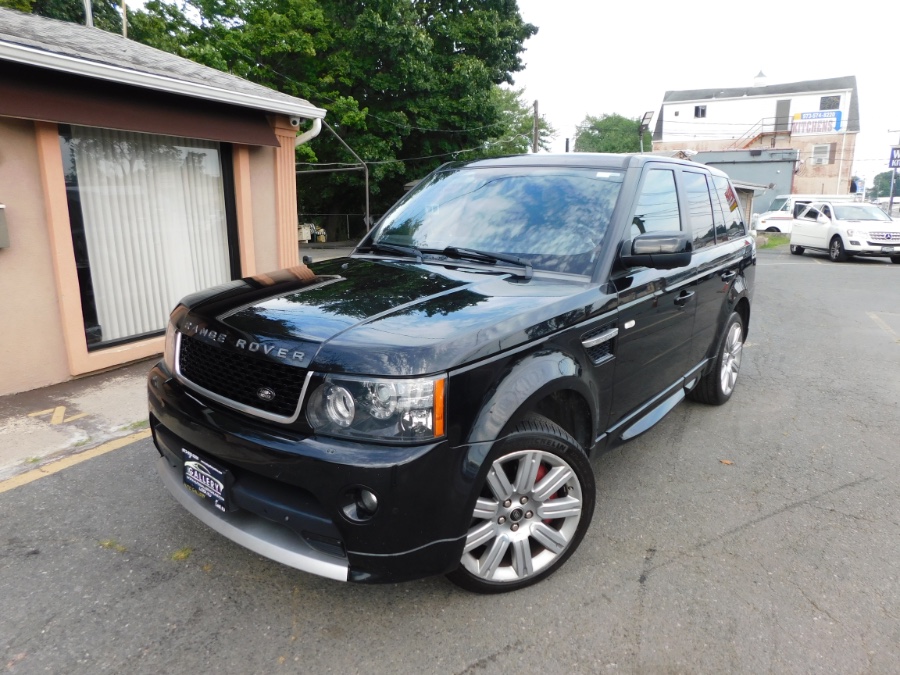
{"points": [[550, 384]]}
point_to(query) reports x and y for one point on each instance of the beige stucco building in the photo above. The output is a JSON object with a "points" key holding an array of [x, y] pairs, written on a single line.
{"points": [[129, 177]]}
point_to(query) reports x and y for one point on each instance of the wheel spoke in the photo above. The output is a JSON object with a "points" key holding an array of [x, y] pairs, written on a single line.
{"points": [[552, 482], [492, 558], [480, 535], [552, 540], [485, 508], [527, 473], [564, 507], [499, 483], [521, 558]]}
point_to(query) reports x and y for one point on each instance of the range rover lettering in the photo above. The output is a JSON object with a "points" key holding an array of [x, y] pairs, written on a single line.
{"points": [[432, 403]]}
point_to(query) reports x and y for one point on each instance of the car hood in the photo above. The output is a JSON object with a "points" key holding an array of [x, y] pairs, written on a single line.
{"points": [[378, 317]]}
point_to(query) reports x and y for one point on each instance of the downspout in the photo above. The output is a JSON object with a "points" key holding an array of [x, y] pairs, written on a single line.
{"points": [[309, 135]]}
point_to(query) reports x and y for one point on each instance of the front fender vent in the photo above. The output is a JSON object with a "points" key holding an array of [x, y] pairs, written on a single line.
{"points": [[599, 343]]}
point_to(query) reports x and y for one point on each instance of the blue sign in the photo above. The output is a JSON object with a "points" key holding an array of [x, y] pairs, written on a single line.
{"points": [[894, 161]]}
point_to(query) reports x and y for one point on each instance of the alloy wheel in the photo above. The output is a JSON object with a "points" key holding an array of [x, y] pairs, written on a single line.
{"points": [[526, 517]]}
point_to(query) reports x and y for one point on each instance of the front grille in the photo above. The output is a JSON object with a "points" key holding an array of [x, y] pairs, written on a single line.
{"points": [[238, 377], [885, 237]]}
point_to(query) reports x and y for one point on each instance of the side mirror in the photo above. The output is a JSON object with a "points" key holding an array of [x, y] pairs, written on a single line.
{"points": [[657, 250], [822, 219]]}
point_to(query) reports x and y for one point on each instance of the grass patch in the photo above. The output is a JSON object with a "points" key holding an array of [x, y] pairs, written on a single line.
{"points": [[135, 426], [112, 545], [182, 554], [773, 240]]}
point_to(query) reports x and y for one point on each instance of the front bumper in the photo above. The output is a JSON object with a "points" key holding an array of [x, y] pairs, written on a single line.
{"points": [[289, 491], [870, 248]]}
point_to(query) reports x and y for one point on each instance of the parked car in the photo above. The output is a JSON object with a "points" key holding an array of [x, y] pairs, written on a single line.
{"points": [[845, 230], [785, 208], [431, 404]]}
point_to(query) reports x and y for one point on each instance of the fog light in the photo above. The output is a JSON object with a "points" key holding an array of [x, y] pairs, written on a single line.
{"points": [[359, 504], [854, 243]]}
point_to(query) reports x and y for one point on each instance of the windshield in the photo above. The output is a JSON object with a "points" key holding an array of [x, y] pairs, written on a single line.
{"points": [[779, 204], [554, 218], [859, 212]]}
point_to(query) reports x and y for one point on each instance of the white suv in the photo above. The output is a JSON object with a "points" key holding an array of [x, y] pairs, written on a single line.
{"points": [[845, 230]]}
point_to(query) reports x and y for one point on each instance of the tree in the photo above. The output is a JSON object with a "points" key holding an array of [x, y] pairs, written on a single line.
{"points": [[107, 15], [610, 133], [882, 185], [407, 83], [514, 133]]}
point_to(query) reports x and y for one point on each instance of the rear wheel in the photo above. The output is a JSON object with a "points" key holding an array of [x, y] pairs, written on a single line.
{"points": [[797, 250], [836, 250], [532, 511], [717, 385]]}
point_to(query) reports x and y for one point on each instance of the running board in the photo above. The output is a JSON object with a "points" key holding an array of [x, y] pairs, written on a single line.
{"points": [[654, 416]]}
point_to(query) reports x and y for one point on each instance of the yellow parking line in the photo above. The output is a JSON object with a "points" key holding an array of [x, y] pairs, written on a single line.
{"points": [[71, 460]]}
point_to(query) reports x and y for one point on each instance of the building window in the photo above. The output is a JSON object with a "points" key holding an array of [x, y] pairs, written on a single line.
{"points": [[149, 226], [699, 111], [830, 103]]}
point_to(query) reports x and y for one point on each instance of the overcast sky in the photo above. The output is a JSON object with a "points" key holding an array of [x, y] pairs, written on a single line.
{"points": [[591, 57]]}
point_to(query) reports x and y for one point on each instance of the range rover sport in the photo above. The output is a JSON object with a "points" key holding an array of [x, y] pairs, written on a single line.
{"points": [[431, 404]]}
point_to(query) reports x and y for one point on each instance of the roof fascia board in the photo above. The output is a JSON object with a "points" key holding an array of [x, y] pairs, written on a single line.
{"points": [[102, 71], [843, 90]]}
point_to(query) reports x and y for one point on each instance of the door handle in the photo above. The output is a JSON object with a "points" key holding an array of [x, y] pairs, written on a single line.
{"points": [[729, 275], [683, 297]]}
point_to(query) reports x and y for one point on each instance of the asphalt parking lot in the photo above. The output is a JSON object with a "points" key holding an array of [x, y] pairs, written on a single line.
{"points": [[762, 536]]}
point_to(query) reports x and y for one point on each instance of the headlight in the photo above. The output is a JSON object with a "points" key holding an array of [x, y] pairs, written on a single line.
{"points": [[378, 409], [169, 351]]}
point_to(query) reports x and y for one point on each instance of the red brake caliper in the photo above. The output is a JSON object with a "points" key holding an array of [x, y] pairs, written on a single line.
{"points": [[541, 472]]}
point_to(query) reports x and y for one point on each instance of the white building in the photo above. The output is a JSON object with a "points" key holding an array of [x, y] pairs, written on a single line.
{"points": [[818, 118]]}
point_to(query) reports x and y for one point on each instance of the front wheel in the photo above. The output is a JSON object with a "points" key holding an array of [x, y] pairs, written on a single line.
{"points": [[797, 250], [836, 250], [532, 511], [717, 385], [895, 259]]}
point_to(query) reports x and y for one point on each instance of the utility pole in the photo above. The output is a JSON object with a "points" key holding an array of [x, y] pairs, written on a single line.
{"points": [[535, 131]]}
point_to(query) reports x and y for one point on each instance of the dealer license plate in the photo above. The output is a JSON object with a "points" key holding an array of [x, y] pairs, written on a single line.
{"points": [[206, 479], [888, 249]]}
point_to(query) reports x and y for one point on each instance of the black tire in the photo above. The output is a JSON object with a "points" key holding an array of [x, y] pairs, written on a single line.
{"points": [[797, 250], [773, 230], [537, 470], [895, 259], [717, 386], [836, 250]]}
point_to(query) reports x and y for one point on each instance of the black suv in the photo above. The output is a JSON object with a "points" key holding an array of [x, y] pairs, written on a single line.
{"points": [[430, 404]]}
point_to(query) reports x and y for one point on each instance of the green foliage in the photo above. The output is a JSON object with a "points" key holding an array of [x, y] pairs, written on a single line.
{"points": [[19, 5], [882, 186], [107, 15], [407, 83], [610, 133]]}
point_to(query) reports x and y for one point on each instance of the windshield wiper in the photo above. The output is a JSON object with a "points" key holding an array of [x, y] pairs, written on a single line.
{"points": [[408, 251], [490, 258]]}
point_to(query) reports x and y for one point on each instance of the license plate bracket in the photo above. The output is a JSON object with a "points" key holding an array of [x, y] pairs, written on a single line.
{"points": [[207, 479], [888, 249]]}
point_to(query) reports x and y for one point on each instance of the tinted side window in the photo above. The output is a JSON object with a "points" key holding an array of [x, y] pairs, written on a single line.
{"points": [[700, 208], [657, 208], [734, 220]]}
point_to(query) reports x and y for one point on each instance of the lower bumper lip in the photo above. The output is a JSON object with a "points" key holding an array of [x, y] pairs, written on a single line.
{"points": [[253, 532]]}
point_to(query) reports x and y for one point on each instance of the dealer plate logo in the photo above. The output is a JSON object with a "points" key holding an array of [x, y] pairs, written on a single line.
{"points": [[265, 394]]}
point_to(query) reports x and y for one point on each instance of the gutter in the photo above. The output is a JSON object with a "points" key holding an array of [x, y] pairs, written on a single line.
{"points": [[111, 73], [310, 134]]}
